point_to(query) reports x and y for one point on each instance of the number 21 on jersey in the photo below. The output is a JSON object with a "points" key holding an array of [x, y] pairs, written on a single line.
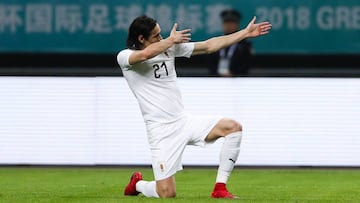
{"points": [[159, 68]]}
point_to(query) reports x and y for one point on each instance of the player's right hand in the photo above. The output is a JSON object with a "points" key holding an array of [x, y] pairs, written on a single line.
{"points": [[180, 36]]}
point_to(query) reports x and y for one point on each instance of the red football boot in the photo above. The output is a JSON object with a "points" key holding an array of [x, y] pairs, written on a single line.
{"points": [[131, 187], [220, 191]]}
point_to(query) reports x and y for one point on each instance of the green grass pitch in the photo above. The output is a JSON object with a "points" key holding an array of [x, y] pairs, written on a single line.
{"points": [[34, 184]]}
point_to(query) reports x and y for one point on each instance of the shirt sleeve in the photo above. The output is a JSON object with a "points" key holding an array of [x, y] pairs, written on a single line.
{"points": [[184, 49], [123, 58]]}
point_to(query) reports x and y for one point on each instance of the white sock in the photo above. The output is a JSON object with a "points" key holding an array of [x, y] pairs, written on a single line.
{"points": [[228, 156], [147, 188]]}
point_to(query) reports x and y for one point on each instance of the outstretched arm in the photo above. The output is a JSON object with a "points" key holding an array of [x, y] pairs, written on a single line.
{"points": [[214, 44], [159, 47]]}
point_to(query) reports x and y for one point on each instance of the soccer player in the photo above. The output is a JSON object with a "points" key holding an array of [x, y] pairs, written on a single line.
{"points": [[148, 66]]}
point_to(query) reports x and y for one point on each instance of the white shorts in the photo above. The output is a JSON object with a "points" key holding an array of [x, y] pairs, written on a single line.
{"points": [[168, 141]]}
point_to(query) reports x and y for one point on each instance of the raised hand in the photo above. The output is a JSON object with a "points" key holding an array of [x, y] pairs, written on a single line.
{"points": [[180, 36], [257, 29]]}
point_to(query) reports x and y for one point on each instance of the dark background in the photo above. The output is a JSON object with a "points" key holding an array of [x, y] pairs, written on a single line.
{"points": [[269, 65]]}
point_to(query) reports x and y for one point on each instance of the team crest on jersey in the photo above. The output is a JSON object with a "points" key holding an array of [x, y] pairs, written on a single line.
{"points": [[162, 167]]}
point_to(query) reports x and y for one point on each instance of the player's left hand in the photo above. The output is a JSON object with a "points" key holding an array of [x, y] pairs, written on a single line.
{"points": [[181, 36], [257, 29]]}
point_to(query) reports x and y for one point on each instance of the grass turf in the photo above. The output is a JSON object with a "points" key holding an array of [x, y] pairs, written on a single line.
{"points": [[28, 184]]}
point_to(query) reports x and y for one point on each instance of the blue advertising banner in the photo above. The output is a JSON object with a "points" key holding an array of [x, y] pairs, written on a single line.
{"points": [[93, 26]]}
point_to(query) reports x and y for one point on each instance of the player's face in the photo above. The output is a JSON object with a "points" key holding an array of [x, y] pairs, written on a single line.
{"points": [[155, 36], [230, 27]]}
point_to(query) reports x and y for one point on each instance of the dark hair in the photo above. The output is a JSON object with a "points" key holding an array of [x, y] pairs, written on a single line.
{"points": [[141, 25], [231, 15]]}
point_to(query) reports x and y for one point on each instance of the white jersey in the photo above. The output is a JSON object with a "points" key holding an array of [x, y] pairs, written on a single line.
{"points": [[153, 82]]}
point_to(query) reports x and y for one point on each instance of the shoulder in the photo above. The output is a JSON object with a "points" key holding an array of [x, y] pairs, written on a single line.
{"points": [[123, 57], [184, 49], [187, 45], [124, 53], [180, 50]]}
